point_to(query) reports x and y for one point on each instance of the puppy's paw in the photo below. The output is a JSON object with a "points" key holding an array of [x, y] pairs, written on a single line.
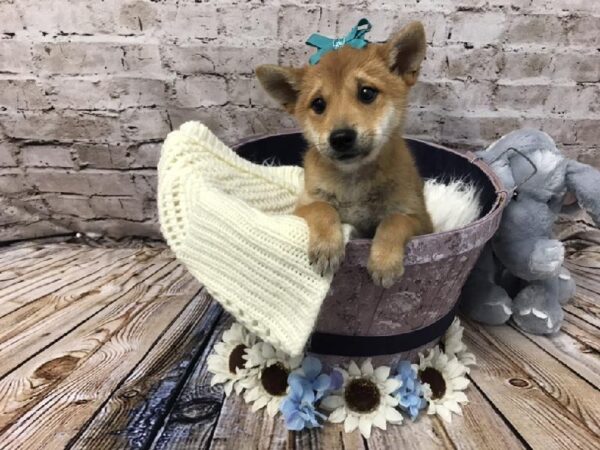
{"points": [[386, 267], [327, 253]]}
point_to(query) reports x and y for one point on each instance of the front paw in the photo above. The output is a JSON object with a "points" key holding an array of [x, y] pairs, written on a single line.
{"points": [[325, 254], [386, 267], [547, 258]]}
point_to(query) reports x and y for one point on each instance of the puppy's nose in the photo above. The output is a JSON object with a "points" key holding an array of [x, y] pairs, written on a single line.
{"points": [[342, 139]]}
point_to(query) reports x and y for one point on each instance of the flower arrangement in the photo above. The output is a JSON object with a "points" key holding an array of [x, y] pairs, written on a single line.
{"points": [[360, 397]]}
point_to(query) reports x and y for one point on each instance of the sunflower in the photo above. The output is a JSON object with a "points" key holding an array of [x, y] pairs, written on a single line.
{"points": [[444, 381], [267, 380], [365, 399], [227, 363], [454, 345]]}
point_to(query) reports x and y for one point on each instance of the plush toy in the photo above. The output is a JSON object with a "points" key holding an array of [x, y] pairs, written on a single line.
{"points": [[520, 273]]}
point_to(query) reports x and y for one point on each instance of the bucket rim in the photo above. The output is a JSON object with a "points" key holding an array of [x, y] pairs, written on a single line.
{"points": [[500, 191]]}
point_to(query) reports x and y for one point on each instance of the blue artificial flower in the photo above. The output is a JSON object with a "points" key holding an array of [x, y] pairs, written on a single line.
{"points": [[298, 408], [337, 380], [321, 382], [307, 386], [410, 394]]}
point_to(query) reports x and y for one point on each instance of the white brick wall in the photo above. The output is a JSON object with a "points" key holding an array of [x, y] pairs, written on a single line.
{"points": [[88, 89]]}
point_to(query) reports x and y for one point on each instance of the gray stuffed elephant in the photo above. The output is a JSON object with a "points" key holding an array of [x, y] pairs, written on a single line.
{"points": [[520, 273]]}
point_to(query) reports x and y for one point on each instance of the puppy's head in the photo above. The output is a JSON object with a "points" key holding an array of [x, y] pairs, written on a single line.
{"points": [[352, 101]]}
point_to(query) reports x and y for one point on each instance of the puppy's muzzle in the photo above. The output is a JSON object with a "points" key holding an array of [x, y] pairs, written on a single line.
{"points": [[343, 143]]}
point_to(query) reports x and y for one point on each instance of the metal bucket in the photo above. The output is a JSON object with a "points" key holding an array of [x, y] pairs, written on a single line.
{"points": [[359, 319]]}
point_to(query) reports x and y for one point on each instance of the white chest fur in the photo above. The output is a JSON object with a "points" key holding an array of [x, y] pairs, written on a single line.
{"points": [[360, 204]]}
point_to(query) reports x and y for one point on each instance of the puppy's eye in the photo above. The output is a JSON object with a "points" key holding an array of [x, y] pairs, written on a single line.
{"points": [[367, 94], [318, 105]]}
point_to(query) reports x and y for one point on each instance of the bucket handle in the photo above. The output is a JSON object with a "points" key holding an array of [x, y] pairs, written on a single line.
{"points": [[514, 192]]}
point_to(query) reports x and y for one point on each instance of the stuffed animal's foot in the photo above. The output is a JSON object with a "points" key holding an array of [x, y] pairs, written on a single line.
{"points": [[566, 286], [536, 312], [547, 258], [486, 302]]}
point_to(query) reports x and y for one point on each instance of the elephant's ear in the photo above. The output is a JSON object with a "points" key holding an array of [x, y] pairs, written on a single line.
{"points": [[504, 171], [500, 164], [498, 158], [509, 155], [584, 181]]}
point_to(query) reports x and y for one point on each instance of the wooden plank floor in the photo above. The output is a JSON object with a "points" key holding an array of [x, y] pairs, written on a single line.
{"points": [[105, 348]]}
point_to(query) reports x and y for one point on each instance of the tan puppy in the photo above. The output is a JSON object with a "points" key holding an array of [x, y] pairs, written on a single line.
{"points": [[358, 170]]}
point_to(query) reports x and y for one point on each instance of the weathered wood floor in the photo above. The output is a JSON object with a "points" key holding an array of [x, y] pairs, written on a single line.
{"points": [[106, 349]]}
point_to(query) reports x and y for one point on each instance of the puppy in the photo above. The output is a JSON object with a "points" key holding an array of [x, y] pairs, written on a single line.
{"points": [[358, 169]]}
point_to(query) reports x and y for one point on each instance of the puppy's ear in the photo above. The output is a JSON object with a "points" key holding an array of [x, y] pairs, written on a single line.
{"points": [[282, 83], [406, 50]]}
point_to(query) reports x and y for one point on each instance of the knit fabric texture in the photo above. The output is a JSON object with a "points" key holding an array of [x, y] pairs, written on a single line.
{"points": [[229, 222]]}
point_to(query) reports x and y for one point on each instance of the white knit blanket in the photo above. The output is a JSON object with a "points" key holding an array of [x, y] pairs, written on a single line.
{"points": [[229, 222]]}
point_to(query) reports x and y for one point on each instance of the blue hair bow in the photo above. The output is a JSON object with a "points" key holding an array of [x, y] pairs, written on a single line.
{"points": [[354, 39]]}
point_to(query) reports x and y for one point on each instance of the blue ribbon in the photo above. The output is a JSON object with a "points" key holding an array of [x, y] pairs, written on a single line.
{"points": [[325, 45]]}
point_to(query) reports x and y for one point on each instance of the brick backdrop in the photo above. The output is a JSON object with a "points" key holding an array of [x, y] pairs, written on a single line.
{"points": [[88, 89]]}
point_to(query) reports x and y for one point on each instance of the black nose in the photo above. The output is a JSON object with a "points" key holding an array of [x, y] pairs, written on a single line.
{"points": [[342, 140]]}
